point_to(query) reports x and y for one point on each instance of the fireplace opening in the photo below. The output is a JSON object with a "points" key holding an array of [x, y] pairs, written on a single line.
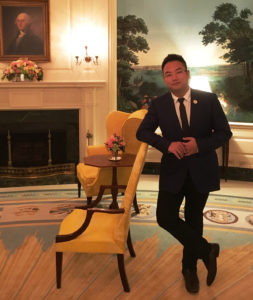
{"points": [[39, 138], [29, 150], [32, 149]]}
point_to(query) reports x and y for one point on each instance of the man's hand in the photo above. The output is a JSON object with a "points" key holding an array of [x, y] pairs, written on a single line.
{"points": [[177, 148], [190, 146], [186, 148]]}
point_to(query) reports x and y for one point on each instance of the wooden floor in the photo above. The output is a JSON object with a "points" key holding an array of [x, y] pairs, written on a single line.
{"points": [[29, 273]]}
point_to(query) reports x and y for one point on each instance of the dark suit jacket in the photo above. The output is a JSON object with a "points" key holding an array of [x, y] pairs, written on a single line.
{"points": [[209, 126], [29, 44]]}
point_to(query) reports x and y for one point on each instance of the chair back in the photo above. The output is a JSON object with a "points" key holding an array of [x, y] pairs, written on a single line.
{"points": [[139, 114], [115, 121], [129, 134], [129, 130], [121, 230]]}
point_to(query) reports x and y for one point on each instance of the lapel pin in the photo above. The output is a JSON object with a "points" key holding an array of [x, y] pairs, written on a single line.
{"points": [[195, 101]]}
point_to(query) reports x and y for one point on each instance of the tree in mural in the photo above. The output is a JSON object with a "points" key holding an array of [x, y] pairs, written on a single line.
{"points": [[129, 43], [233, 32]]}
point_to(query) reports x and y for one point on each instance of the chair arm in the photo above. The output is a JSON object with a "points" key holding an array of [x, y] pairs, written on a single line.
{"points": [[96, 150], [108, 210], [90, 211]]}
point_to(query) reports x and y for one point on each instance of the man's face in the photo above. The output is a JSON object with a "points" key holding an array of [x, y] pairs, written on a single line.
{"points": [[22, 21], [176, 77]]}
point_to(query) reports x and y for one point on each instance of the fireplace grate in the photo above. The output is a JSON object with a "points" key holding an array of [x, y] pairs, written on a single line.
{"points": [[37, 172]]}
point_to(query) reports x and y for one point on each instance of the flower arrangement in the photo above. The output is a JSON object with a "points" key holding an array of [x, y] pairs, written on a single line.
{"points": [[29, 69], [115, 144]]}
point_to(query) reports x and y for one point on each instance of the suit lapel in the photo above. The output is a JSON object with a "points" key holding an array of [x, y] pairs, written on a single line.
{"points": [[195, 109]]}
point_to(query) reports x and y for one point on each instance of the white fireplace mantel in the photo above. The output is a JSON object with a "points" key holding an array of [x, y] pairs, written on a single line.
{"points": [[44, 84], [81, 95]]}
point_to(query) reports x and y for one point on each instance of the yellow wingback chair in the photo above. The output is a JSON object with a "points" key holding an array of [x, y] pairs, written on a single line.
{"points": [[97, 230], [90, 178]]}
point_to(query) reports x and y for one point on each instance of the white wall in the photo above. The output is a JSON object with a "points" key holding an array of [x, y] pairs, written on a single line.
{"points": [[73, 25]]}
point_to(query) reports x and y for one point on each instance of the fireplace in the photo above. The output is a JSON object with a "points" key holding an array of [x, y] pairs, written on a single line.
{"points": [[82, 98], [37, 138]]}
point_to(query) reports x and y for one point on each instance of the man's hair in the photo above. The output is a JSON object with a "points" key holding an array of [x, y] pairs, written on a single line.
{"points": [[173, 57]]}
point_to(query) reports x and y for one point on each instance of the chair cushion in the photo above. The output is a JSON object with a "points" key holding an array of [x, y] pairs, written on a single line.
{"points": [[87, 173], [98, 237]]}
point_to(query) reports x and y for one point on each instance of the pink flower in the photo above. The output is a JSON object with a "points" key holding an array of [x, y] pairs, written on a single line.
{"points": [[115, 143], [110, 144]]}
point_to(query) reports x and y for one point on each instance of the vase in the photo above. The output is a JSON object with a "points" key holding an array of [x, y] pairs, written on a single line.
{"points": [[20, 78], [115, 156], [16, 79]]}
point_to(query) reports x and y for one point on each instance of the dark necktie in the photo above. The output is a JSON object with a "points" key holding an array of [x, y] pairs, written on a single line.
{"points": [[183, 116]]}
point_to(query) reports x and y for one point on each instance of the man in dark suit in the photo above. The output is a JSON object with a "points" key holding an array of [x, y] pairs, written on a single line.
{"points": [[193, 125], [26, 42]]}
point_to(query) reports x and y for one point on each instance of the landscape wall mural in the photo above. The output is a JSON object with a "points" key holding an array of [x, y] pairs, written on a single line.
{"points": [[215, 38]]}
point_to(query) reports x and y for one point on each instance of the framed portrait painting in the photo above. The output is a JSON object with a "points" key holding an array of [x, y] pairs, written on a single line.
{"points": [[24, 30]]}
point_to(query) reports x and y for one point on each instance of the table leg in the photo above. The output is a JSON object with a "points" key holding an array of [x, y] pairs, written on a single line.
{"points": [[114, 191]]}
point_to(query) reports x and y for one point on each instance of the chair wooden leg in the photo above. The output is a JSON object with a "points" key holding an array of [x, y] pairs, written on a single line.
{"points": [[89, 200], [58, 269], [130, 245], [135, 204], [122, 272]]}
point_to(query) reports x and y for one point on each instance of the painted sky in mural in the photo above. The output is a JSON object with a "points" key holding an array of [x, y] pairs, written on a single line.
{"points": [[174, 27]]}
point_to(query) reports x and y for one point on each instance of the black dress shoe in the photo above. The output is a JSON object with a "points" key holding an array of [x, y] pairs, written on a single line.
{"points": [[191, 280], [211, 263]]}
